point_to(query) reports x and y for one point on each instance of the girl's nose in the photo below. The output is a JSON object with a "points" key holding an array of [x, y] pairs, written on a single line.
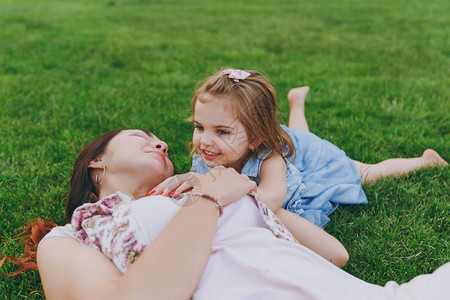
{"points": [[160, 145], [206, 140]]}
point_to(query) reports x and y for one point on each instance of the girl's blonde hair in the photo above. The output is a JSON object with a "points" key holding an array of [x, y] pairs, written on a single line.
{"points": [[255, 104]]}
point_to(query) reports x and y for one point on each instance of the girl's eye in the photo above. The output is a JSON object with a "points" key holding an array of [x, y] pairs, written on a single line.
{"points": [[222, 132], [198, 127]]}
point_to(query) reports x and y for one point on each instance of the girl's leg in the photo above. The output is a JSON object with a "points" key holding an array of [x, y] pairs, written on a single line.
{"points": [[397, 167], [296, 98]]}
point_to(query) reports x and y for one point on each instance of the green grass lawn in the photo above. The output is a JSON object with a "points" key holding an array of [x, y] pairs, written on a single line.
{"points": [[379, 78]]}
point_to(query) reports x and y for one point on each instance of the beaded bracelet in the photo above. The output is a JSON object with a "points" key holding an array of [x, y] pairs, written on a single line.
{"points": [[209, 197]]}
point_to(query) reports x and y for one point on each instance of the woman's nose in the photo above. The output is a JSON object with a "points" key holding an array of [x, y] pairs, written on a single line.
{"points": [[160, 145]]}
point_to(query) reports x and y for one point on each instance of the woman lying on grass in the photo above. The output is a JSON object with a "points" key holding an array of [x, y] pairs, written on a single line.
{"points": [[215, 243]]}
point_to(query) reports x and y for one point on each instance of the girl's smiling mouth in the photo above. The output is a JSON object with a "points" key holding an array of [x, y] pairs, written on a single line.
{"points": [[210, 155]]}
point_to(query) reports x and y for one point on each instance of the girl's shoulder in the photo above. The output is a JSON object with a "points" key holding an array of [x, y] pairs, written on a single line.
{"points": [[264, 154], [252, 167]]}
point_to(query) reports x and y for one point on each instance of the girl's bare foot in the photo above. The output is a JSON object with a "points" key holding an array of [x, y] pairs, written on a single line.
{"points": [[431, 158], [297, 96]]}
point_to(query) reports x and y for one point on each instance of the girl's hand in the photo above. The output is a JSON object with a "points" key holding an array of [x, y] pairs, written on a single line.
{"points": [[224, 184], [175, 185]]}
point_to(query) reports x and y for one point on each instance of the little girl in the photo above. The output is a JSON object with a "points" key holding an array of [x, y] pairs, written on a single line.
{"points": [[235, 115]]}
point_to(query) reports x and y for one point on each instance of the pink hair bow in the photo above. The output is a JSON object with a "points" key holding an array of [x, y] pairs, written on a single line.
{"points": [[236, 74]]}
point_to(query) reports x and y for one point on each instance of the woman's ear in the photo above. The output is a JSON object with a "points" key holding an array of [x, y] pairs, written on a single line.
{"points": [[96, 164]]}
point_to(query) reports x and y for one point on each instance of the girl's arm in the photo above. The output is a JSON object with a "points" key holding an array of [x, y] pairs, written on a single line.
{"points": [[272, 192], [272, 186], [170, 268], [314, 238]]}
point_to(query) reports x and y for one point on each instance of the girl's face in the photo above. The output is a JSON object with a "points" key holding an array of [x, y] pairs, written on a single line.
{"points": [[219, 137], [141, 156]]}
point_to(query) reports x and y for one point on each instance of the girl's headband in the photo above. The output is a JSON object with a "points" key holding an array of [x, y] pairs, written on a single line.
{"points": [[236, 74]]}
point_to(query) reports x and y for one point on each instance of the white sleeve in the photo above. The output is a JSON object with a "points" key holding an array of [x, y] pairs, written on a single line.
{"points": [[60, 231]]}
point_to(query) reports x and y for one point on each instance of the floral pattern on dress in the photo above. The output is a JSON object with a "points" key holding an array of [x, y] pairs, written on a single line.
{"points": [[278, 228], [107, 227]]}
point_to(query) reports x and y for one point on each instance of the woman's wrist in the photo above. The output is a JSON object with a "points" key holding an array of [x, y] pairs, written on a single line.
{"points": [[208, 197]]}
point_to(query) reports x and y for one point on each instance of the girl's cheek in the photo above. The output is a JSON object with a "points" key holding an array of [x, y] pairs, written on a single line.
{"points": [[196, 142]]}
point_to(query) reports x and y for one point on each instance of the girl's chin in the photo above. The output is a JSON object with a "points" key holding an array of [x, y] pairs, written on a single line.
{"points": [[211, 163]]}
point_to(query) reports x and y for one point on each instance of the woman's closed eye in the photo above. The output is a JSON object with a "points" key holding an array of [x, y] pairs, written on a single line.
{"points": [[140, 134]]}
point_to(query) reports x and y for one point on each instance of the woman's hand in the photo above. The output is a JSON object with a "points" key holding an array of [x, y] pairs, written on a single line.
{"points": [[175, 185]]}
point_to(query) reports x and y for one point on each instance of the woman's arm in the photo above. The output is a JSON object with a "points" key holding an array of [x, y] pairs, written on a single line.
{"points": [[314, 238], [170, 268], [272, 186]]}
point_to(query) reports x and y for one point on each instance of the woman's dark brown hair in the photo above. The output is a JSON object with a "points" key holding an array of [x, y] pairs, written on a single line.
{"points": [[82, 190]]}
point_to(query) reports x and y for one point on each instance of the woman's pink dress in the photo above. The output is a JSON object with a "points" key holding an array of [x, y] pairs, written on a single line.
{"points": [[247, 260]]}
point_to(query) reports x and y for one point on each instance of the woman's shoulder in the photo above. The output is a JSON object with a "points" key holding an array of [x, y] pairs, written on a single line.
{"points": [[62, 260], [59, 231], [103, 207]]}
